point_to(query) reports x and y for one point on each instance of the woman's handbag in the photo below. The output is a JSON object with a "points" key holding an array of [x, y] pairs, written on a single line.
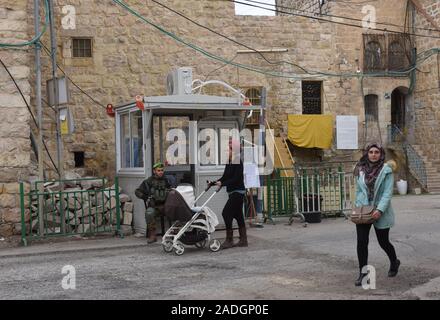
{"points": [[363, 215]]}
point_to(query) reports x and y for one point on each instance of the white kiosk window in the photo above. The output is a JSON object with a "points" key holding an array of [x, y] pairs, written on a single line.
{"points": [[131, 131], [166, 128], [213, 139]]}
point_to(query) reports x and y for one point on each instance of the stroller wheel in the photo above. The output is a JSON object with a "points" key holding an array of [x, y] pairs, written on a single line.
{"points": [[179, 249], [167, 246], [214, 245], [201, 244]]}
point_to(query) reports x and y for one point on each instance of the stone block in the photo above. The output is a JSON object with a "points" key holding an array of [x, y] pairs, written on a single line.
{"points": [[128, 218], [6, 229], [8, 201], [17, 228], [111, 203], [89, 184], [85, 228], [124, 198], [53, 221], [128, 207], [127, 230], [13, 215], [100, 219], [70, 175]]}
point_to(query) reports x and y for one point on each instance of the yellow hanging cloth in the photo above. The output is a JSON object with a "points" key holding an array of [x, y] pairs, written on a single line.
{"points": [[311, 131]]}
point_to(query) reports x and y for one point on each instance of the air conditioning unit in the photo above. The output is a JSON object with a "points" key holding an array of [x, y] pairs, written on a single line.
{"points": [[179, 81]]}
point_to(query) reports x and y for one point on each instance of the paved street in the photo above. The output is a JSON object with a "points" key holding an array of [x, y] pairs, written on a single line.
{"points": [[282, 262]]}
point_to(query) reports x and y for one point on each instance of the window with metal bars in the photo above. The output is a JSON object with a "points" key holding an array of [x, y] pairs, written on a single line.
{"points": [[399, 52], [390, 52], [311, 97], [82, 47], [374, 52], [254, 95]]}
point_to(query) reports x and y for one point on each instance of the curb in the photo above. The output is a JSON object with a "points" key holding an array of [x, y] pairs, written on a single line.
{"points": [[70, 250]]}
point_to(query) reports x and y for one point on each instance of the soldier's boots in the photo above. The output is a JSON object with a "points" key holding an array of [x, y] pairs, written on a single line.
{"points": [[151, 235]]}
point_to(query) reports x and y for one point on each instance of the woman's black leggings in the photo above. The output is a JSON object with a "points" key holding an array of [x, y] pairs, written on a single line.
{"points": [[363, 232], [234, 209]]}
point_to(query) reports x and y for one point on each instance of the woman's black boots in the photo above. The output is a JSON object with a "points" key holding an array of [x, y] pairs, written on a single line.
{"points": [[358, 282], [394, 269], [243, 237], [229, 242]]}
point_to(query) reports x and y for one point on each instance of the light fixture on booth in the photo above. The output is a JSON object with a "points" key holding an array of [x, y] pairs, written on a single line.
{"points": [[110, 110], [140, 102], [247, 102]]}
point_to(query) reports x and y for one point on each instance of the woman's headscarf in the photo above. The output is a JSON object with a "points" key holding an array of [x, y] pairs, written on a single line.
{"points": [[370, 169]]}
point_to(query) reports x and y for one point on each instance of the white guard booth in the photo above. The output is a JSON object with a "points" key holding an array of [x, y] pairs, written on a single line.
{"points": [[141, 140]]}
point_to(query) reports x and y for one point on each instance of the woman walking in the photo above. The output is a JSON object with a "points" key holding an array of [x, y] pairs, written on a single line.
{"points": [[374, 186], [233, 180]]}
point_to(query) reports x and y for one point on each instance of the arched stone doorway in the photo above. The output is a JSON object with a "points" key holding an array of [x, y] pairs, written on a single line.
{"points": [[399, 99]]}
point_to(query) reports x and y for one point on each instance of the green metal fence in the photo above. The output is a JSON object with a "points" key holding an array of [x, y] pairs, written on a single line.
{"points": [[328, 190], [48, 212]]}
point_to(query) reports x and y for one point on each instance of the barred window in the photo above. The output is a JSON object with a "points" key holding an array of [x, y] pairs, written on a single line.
{"points": [[254, 95], [386, 52], [82, 48], [373, 56], [311, 97]]}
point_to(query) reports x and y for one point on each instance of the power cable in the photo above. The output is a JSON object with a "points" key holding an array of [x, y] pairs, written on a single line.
{"points": [[337, 16], [36, 38], [29, 109], [331, 21], [70, 79], [258, 70], [234, 41]]}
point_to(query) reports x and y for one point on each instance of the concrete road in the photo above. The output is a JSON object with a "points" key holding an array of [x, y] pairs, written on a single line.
{"points": [[282, 262]]}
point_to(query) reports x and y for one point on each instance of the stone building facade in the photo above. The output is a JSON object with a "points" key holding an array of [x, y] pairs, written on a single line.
{"points": [[15, 144], [130, 57], [427, 92]]}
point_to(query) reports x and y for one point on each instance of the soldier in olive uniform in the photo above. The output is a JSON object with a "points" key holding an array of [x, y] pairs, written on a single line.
{"points": [[154, 191]]}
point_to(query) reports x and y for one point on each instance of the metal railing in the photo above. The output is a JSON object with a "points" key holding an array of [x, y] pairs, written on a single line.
{"points": [[49, 213], [329, 191], [415, 162]]}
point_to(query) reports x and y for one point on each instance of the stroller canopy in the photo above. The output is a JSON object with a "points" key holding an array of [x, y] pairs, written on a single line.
{"points": [[176, 208]]}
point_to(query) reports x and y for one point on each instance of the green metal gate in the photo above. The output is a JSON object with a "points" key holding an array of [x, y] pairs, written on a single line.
{"points": [[69, 212], [328, 190]]}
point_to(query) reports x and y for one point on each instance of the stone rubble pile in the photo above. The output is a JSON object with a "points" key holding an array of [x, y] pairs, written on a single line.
{"points": [[86, 205]]}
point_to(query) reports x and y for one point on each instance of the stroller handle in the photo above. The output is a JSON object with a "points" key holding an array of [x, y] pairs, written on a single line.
{"points": [[210, 184]]}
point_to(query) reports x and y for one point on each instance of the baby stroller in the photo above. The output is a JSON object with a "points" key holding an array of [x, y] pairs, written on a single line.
{"points": [[193, 225]]}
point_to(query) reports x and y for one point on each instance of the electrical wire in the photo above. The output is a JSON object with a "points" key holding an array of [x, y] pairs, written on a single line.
{"points": [[36, 38], [252, 68], [221, 67], [337, 16], [73, 82], [29, 109], [334, 22], [235, 41]]}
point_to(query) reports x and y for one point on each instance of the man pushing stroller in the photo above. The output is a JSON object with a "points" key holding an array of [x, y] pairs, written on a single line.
{"points": [[154, 191]]}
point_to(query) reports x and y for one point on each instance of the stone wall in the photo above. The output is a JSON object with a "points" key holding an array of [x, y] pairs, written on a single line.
{"points": [[427, 92], [15, 147], [302, 6], [131, 57]]}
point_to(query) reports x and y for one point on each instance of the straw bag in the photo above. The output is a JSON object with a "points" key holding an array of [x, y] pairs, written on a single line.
{"points": [[363, 215]]}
